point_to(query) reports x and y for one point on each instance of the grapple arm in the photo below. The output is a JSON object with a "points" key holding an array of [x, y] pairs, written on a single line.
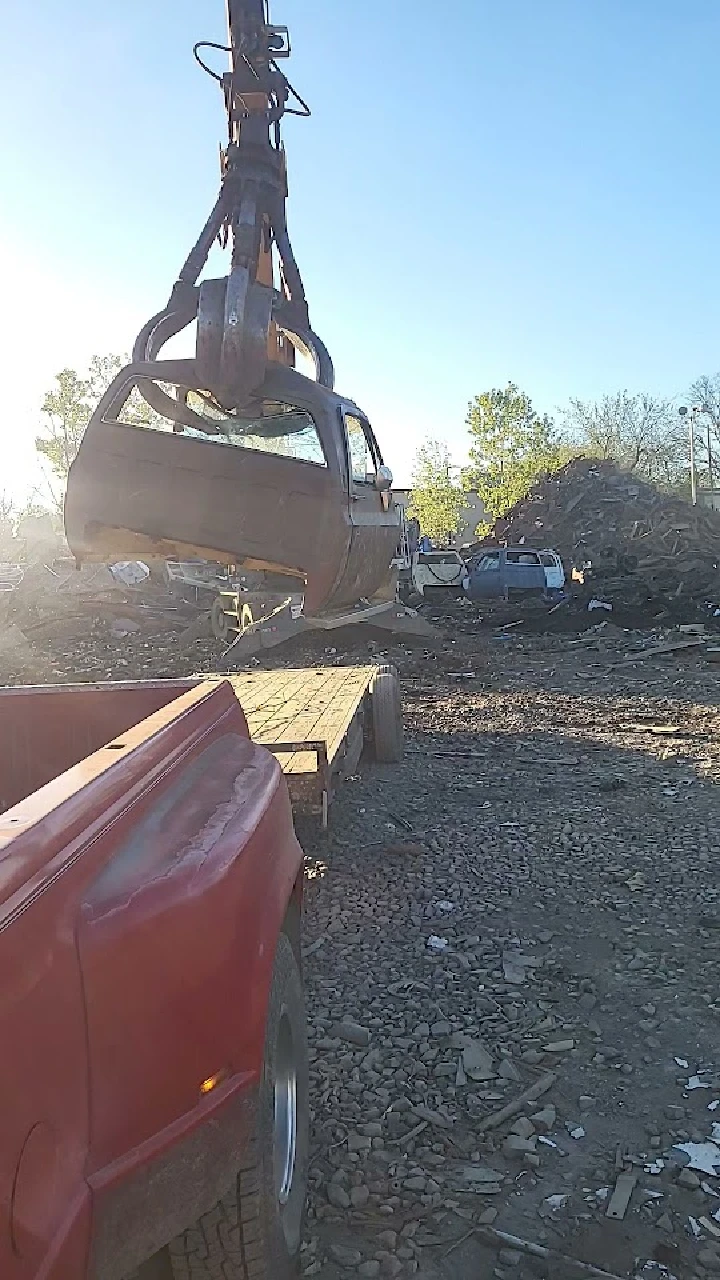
{"points": [[244, 321]]}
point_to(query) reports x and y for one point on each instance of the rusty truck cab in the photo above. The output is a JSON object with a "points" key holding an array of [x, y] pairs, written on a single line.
{"points": [[294, 482]]}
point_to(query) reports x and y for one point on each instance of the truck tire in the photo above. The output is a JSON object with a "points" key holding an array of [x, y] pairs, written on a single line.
{"points": [[255, 1231], [387, 717]]}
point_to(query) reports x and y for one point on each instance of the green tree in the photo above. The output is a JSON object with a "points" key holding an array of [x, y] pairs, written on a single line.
{"points": [[510, 446], [437, 501], [66, 411]]}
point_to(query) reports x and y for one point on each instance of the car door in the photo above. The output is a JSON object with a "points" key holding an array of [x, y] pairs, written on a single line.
{"points": [[374, 517]]}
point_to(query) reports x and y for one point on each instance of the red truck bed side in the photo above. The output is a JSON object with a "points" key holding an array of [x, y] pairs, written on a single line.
{"points": [[141, 896]]}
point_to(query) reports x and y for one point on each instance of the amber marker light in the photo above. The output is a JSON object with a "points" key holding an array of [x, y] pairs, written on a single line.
{"points": [[212, 1082]]}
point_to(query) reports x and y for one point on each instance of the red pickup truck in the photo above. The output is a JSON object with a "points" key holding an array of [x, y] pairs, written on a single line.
{"points": [[153, 1054]]}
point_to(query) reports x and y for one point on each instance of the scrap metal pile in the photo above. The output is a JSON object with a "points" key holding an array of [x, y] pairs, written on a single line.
{"points": [[649, 545]]}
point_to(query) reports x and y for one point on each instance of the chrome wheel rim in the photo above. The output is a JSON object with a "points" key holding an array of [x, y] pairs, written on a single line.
{"points": [[285, 1111]]}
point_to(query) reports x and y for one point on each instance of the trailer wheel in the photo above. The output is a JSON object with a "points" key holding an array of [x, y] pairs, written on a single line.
{"points": [[387, 716], [254, 1232], [219, 620]]}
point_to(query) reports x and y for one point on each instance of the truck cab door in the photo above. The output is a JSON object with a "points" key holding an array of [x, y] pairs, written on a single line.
{"points": [[374, 517]]}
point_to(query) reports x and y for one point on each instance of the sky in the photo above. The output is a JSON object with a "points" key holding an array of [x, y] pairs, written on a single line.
{"points": [[524, 191]]}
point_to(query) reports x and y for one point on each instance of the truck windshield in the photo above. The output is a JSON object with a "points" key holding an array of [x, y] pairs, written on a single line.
{"points": [[269, 426]]}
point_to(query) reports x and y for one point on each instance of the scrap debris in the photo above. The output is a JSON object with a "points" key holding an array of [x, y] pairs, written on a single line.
{"points": [[613, 528]]}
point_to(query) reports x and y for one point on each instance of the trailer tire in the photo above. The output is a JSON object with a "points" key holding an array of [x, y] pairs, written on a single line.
{"points": [[254, 1232], [219, 620], [387, 716]]}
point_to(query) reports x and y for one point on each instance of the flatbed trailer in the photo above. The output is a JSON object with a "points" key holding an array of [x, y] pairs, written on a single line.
{"points": [[317, 720]]}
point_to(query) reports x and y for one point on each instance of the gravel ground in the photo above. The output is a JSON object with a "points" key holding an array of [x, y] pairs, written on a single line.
{"points": [[555, 826], [527, 907]]}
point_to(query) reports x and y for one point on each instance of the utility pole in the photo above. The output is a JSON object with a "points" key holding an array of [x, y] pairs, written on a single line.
{"points": [[691, 425], [711, 481]]}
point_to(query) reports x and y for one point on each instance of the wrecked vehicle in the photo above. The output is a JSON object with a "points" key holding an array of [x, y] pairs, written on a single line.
{"points": [[292, 484], [498, 571], [154, 1073], [431, 573]]}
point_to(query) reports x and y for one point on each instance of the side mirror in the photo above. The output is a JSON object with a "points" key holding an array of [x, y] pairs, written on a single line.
{"points": [[383, 479]]}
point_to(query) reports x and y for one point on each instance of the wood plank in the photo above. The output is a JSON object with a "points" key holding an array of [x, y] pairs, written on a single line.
{"points": [[329, 723], [303, 700], [261, 699], [293, 704]]}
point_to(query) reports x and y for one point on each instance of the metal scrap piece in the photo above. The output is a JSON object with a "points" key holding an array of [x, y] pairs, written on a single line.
{"points": [[620, 1198]]}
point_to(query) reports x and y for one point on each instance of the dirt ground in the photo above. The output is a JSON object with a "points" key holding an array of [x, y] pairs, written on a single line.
{"points": [[527, 908]]}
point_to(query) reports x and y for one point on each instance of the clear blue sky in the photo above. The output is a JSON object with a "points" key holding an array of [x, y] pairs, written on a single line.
{"points": [[486, 191]]}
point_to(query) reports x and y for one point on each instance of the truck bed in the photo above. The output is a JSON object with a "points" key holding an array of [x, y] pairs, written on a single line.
{"points": [[148, 863], [310, 718], [46, 730]]}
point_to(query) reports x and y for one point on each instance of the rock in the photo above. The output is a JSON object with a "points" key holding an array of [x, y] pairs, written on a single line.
{"points": [[359, 1196], [509, 1071], [689, 1179], [510, 1258], [515, 1147], [416, 1183], [587, 1002], [477, 1062], [532, 1057], [560, 1046], [487, 1217], [338, 1196], [373, 1129], [352, 1033], [523, 1127], [344, 1256], [358, 1142], [369, 1268], [545, 1120], [440, 1029], [388, 1239], [710, 1260]]}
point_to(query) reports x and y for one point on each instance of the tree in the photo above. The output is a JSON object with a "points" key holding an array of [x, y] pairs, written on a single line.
{"points": [[437, 502], [705, 394], [642, 433], [66, 411], [511, 445]]}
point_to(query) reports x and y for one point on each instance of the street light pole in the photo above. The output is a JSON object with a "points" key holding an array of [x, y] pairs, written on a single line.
{"points": [[691, 425]]}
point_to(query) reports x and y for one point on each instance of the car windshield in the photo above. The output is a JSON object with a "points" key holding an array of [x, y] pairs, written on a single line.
{"points": [[270, 426]]}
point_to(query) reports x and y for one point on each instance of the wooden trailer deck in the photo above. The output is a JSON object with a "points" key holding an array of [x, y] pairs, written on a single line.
{"points": [[313, 719]]}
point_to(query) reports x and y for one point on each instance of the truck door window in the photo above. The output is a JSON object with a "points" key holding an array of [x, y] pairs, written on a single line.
{"points": [[489, 562], [269, 426], [362, 450]]}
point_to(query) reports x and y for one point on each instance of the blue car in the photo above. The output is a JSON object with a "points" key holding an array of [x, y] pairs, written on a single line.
{"points": [[498, 571]]}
